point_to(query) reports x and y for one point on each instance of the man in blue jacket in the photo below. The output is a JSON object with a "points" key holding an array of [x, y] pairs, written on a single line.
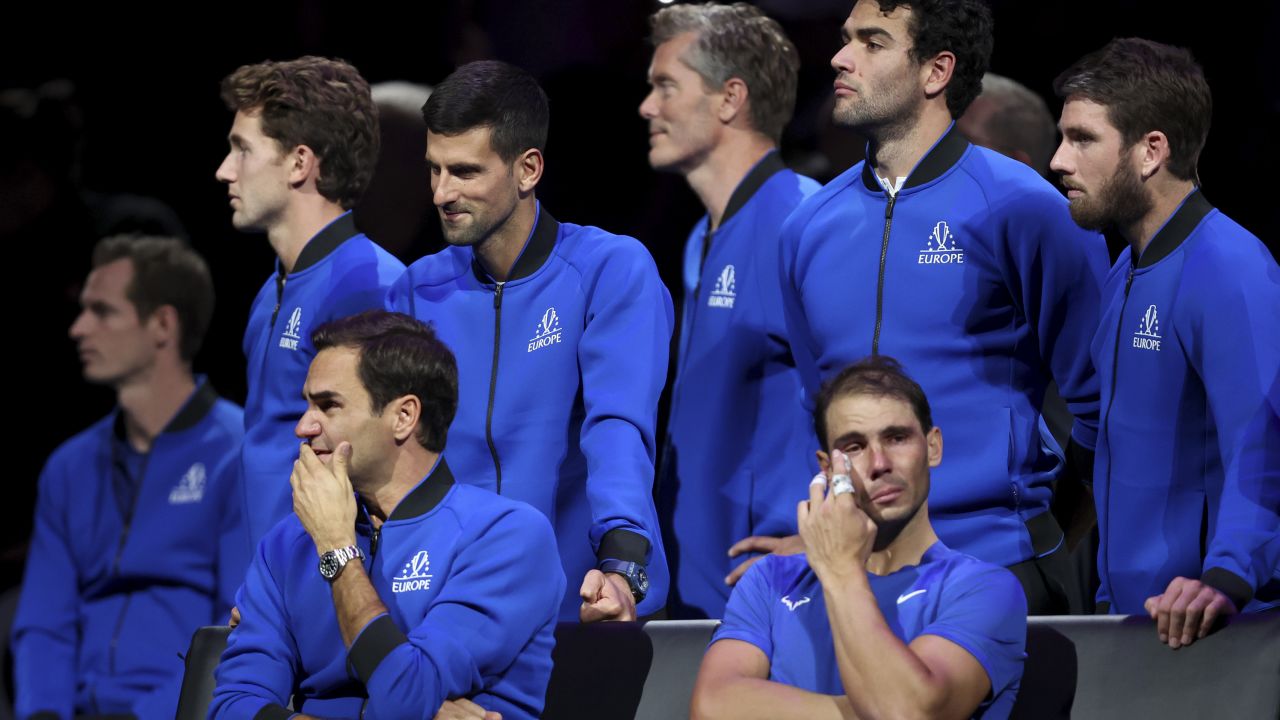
{"points": [[428, 593], [723, 82], [137, 538], [1187, 481], [963, 264], [561, 332], [303, 147]]}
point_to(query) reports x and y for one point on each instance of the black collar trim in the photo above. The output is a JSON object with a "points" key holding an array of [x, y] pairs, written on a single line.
{"points": [[326, 241], [945, 154], [542, 240], [768, 166], [195, 409], [424, 498], [1175, 231]]}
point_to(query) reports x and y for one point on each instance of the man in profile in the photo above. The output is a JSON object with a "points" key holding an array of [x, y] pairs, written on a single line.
{"points": [[303, 146], [137, 540], [1187, 480], [723, 86]]}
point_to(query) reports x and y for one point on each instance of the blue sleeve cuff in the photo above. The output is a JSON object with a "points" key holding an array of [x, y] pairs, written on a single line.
{"points": [[1237, 589], [274, 712]]}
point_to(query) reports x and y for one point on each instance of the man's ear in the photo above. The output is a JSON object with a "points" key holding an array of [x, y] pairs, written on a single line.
{"points": [[733, 102], [934, 441], [937, 72], [166, 330], [407, 410], [302, 165], [1152, 152], [824, 462], [528, 170]]}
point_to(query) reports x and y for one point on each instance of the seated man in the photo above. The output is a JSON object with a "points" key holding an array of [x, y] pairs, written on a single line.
{"points": [[426, 590], [878, 618], [137, 532]]}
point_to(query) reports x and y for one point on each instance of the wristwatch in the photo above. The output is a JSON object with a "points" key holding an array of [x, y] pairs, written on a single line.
{"points": [[634, 572], [332, 561]]}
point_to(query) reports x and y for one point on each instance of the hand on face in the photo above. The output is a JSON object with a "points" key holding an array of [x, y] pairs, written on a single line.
{"points": [[838, 535], [323, 498]]}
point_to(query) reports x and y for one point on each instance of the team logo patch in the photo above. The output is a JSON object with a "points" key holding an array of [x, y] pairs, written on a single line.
{"points": [[1148, 335], [793, 604], [547, 332], [725, 291], [190, 487], [941, 248], [414, 575], [291, 335]]}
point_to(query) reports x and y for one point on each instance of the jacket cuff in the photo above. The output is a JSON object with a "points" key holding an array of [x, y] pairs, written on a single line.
{"points": [[625, 545], [1237, 589], [374, 643], [1080, 462], [273, 712]]}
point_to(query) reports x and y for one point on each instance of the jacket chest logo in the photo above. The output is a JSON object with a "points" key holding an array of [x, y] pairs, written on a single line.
{"points": [[725, 291], [190, 487], [547, 332], [1148, 335], [413, 576], [793, 604], [941, 248], [290, 337]]}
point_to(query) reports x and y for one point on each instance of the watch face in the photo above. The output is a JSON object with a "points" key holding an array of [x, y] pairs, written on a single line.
{"points": [[329, 566], [642, 581]]}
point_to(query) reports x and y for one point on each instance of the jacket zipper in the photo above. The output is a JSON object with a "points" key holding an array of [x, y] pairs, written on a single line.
{"points": [[884, 253], [493, 384], [115, 565], [1106, 420]]}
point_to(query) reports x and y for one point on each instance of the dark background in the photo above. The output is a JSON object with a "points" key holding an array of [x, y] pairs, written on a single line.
{"points": [[147, 81]]}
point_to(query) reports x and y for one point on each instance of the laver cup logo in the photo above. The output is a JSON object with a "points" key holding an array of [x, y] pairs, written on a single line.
{"points": [[1148, 335], [941, 248], [290, 337], [725, 291], [547, 332], [413, 576]]}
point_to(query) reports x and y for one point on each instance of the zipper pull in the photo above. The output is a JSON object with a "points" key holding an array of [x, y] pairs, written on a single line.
{"points": [[888, 209], [1128, 282], [373, 542], [497, 297]]}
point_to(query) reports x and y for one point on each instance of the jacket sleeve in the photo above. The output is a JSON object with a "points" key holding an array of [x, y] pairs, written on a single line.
{"points": [[256, 675], [499, 600], [1055, 273], [623, 357], [1234, 345], [45, 630]]}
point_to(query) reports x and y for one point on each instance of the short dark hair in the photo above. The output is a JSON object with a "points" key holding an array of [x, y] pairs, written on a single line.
{"points": [[963, 27], [495, 95], [166, 271], [1147, 86], [739, 41], [318, 102], [400, 356], [878, 376]]}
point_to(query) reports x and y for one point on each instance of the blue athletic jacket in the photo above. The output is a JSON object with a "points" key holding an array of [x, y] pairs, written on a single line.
{"points": [[559, 372], [340, 272], [975, 277], [739, 447], [114, 588], [471, 582], [1187, 475]]}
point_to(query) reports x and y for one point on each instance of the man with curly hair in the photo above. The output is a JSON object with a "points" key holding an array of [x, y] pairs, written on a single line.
{"points": [[303, 147]]}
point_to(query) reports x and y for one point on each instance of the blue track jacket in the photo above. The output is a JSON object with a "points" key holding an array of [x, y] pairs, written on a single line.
{"points": [[975, 277], [115, 587], [559, 372], [1187, 476], [471, 582], [340, 272], [739, 448]]}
